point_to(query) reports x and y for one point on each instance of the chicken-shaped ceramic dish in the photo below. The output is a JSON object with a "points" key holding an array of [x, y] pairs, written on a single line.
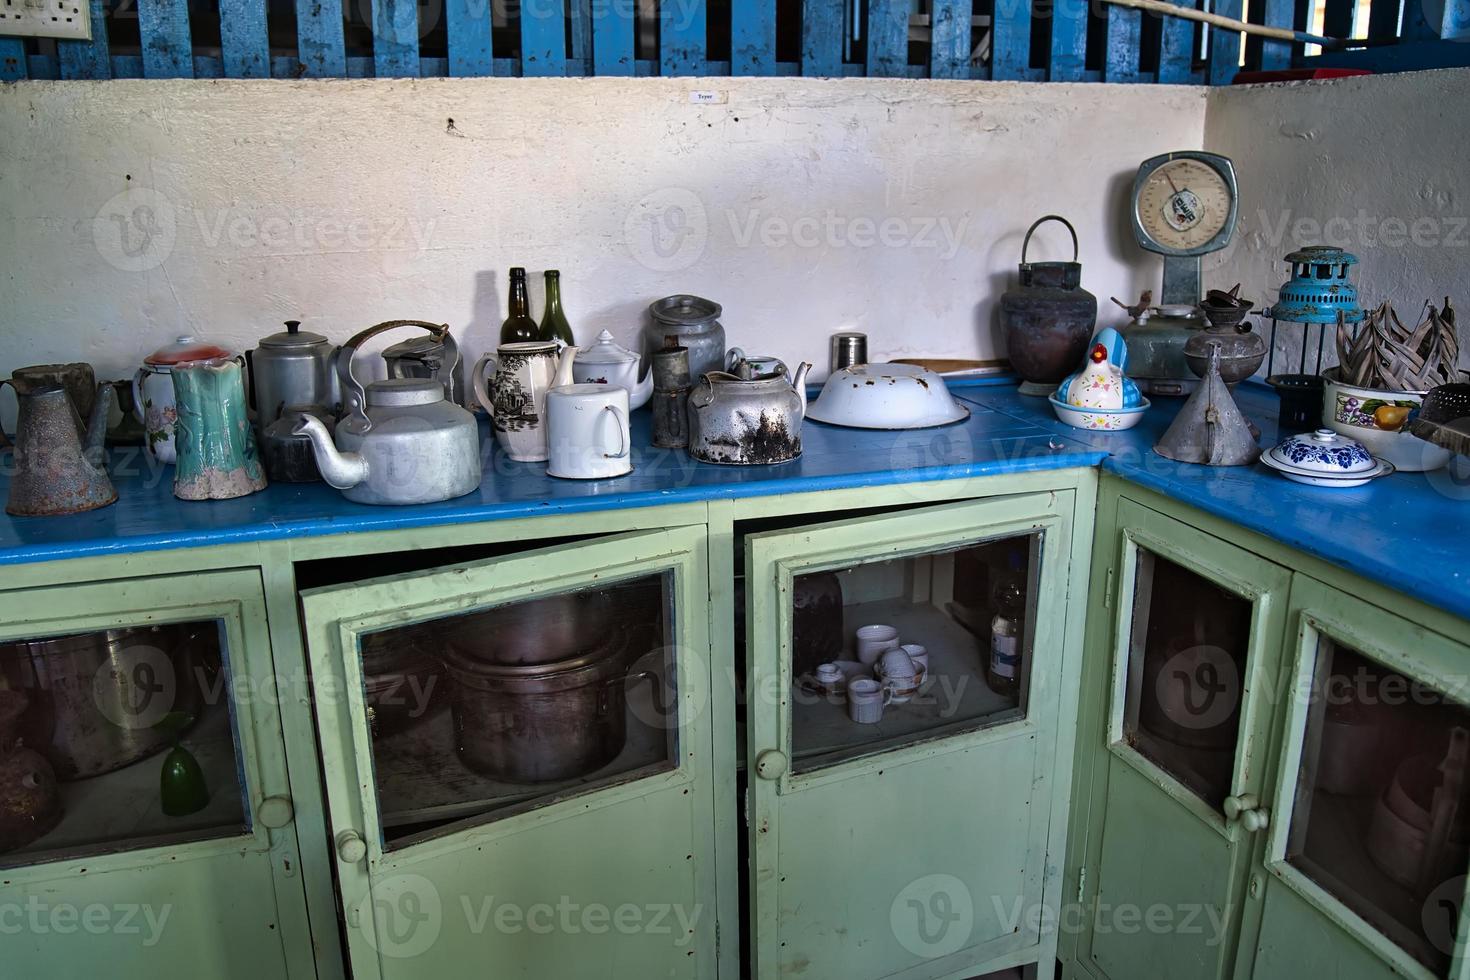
{"points": [[1101, 396]]}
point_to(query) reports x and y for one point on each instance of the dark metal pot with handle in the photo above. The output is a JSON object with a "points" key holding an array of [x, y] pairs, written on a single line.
{"points": [[1048, 318], [542, 722]]}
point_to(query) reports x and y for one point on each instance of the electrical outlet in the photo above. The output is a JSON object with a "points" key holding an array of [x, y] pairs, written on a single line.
{"points": [[71, 19]]}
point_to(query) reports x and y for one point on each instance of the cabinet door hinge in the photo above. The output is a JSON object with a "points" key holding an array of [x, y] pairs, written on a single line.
{"points": [[1108, 591], [1081, 883]]}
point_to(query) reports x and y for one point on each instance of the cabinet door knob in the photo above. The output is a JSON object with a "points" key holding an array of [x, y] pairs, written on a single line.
{"points": [[770, 764], [351, 848], [276, 812], [1248, 810]]}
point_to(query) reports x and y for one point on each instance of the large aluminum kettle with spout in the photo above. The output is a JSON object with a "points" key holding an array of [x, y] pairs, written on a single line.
{"points": [[401, 441]]}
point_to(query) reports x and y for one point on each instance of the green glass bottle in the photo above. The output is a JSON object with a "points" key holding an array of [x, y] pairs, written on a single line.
{"points": [[554, 325], [519, 326], [182, 788]]}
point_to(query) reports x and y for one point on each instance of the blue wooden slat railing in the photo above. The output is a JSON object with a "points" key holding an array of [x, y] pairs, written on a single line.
{"points": [[949, 45], [612, 40], [1068, 41], [753, 37], [470, 50], [163, 26], [1010, 45], [1125, 35], [1225, 45], [12, 59], [888, 38], [683, 27], [543, 38], [87, 59], [319, 38], [244, 47], [600, 37], [1276, 55], [395, 38], [822, 26]]}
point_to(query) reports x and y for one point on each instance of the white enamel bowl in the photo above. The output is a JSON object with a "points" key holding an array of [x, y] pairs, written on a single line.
{"points": [[1099, 419], [886, 396]]}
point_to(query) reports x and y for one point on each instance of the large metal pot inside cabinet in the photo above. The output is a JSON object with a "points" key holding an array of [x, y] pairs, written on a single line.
{"points": [[536, 723], [104, 700]]}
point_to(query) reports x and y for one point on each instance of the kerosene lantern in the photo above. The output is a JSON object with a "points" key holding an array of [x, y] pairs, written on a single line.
{"points": [[1318, 293], [1184, 207]]}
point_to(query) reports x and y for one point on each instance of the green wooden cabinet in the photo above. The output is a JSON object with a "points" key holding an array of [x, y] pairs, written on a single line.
{"points": [[449, 864], [916, 846], [1267, 762], [114, 674]]}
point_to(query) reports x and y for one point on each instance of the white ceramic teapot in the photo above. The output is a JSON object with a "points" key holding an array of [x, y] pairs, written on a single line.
{"points": [[606, 362]]}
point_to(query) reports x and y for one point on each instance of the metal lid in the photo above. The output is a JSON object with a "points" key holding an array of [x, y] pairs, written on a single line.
{"points": [[186, 348], [1328, 254], [293, 336], [415, 349], [606, 351], [685, 310], [404, 392]]}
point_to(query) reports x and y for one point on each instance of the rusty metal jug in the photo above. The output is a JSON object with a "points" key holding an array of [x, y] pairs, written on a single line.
{"points": [[1048, 319], [59, 467]]}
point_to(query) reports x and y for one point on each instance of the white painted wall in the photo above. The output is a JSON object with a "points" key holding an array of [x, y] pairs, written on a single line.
{"points": [[344, 203], [1379, 165]]}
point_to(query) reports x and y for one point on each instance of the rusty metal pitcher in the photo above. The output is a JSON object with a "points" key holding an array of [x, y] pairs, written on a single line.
{"points": [[59, 467]]}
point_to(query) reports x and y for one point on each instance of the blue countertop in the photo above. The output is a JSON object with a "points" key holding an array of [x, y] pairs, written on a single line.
{"points": [[1407, 531], [147, 516]]}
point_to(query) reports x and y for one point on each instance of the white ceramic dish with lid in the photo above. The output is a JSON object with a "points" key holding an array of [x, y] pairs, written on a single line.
{"points": [[1325, 459], [886, 396]]}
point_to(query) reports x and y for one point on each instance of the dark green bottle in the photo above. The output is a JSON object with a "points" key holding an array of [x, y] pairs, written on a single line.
{"points": [[182, 788], [554, 325], [519, 326]]}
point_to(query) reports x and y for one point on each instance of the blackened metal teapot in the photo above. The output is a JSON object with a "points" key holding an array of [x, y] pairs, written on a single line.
{"points": [[746, 421]]}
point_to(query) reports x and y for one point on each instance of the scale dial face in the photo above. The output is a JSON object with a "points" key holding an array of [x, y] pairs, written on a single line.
{"points": [[1183, 207]]}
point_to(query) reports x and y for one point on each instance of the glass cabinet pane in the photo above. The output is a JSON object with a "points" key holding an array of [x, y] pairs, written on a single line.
{"points": [[116, 739], [890, 652], [1187, 659], [491, 712], [1381, 818]]}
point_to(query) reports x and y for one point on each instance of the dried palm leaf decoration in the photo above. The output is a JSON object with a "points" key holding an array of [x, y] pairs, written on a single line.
{"points": [[1389, 356]]}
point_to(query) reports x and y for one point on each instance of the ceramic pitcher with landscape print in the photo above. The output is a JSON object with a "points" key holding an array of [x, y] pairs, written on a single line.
{"points": [[511, 385]]}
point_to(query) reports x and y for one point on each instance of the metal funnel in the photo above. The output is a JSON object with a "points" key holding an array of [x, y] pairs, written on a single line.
{"points": [[1210, 429]]}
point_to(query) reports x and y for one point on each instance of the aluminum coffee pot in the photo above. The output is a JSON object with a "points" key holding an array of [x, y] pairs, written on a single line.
{"points": [[435, 357], [747, 421], [294, 367], [59, 467], [401, 441]]}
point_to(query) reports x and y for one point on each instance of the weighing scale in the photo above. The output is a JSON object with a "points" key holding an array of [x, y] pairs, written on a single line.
{"points": [[1184, 206]]}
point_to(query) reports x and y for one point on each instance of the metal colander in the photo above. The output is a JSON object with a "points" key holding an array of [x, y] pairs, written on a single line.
{"points": [[1444, 418]]}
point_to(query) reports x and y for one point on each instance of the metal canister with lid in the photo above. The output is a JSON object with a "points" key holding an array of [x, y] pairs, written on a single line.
{"points": [[671, 395], [696, 322], [293, 367]]}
